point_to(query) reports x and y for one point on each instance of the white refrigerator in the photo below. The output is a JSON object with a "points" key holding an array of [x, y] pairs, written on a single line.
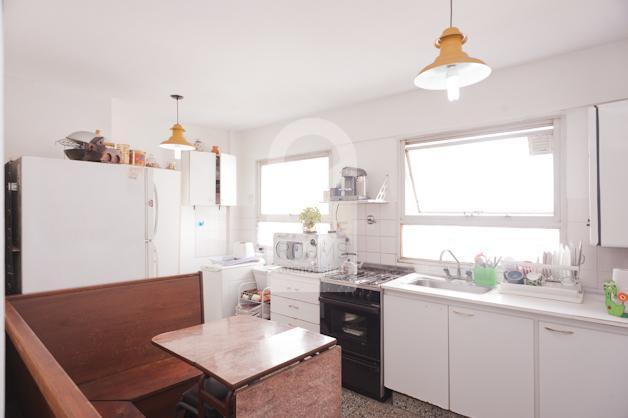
{"points": [[83, 223]]}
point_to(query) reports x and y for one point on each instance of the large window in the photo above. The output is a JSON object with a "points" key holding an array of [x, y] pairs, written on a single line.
{"points": [[492, 191], [286, 187]]}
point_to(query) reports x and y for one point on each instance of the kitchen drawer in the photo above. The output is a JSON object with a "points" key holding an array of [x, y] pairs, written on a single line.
{"points": [[292, 287], [295, 309], [293, 322]]}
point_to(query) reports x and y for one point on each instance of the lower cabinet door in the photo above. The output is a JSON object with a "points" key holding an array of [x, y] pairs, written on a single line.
{"points": [[582, 373], [415, 348], [491, 364]]}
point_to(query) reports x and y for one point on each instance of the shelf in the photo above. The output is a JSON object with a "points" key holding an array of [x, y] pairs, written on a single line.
{"points": [[375, 201]]}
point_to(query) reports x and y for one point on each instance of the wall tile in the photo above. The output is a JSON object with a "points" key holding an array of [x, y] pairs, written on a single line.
{"points": [[389, 211], [389, 259], [361, 243], [389, 228], [373, 258], [610, 258], [372, 230], [362, 227], [372, 244], [388, 245], [589, 279], [362, 212], [373, 209]]}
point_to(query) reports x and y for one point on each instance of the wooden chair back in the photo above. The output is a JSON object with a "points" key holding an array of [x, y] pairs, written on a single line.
{"points": [[97, 331]]}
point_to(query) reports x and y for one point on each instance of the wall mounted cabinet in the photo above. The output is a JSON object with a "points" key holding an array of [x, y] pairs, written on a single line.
{"points": [[608, 169], [209, 179]]}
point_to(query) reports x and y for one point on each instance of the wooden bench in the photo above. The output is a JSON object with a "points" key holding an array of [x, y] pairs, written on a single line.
{"points": [[97, 341]]}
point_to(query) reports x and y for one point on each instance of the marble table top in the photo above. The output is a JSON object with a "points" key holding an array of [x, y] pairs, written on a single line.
{"points": [[239, 349]]}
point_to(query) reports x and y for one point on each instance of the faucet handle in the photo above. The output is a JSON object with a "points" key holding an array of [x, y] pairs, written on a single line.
{"points": [[447, 272]]}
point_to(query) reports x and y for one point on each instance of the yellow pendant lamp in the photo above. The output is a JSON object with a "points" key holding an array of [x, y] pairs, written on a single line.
{"points": [[453, 68], [177, 141]]}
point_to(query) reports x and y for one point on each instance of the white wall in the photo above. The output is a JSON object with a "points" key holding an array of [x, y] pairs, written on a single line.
{"points": [[39, 112], [558, 86]]}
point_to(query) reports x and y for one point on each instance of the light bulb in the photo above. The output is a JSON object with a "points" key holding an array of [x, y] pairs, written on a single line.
{"points": [[453, 84], [177, 153]]}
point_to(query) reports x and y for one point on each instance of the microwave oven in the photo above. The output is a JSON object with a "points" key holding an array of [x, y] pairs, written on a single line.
{"points": [[310, 252]]}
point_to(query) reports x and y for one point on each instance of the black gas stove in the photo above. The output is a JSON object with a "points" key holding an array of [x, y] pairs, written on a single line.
{"points": [[350, 307]]}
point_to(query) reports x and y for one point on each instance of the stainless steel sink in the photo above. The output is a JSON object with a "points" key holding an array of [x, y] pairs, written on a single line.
{"points": [[455, 285]]}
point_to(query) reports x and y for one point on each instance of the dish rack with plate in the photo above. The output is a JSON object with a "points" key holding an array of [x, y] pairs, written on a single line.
{"points": [[547, 281], [248, 306]]}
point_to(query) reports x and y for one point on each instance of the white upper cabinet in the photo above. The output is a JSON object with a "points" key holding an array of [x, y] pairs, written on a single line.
{"points": [[228, 180], [416, 349], [608, 168], [582, 373], [208, 179], [491, 364]]}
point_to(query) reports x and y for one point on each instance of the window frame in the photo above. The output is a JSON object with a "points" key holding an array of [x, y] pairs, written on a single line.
{"points": [[258, 191], [556, 221]]}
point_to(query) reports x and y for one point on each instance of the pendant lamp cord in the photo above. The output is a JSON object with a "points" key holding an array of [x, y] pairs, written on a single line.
{"points": [[451, 13], [177, 110]]}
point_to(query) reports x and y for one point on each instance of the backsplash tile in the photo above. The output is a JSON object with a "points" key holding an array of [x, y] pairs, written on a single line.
{"points": [[388, 245], [388, 228], [373, 244], [372, 230], [389, 211], [389, 259]]}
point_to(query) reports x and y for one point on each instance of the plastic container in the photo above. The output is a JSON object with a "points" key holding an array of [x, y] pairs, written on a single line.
{"points": [[485, 276]]}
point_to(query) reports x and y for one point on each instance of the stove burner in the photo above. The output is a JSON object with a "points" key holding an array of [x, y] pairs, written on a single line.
{"points": [[371, 275]]}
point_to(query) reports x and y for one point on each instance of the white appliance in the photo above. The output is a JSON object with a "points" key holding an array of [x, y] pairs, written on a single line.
{"points": [[608, 170], [221, 286], [83, 223], [310, 252]]}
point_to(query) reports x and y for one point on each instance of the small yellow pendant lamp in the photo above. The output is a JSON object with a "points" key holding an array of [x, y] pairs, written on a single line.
{"points": [[453, 68], [177, 141]]}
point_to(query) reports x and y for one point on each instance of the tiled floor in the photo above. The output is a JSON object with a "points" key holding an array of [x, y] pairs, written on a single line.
{"points": [[355, 405]]}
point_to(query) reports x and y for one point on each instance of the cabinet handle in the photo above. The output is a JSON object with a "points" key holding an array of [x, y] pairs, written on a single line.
{"points": [[293, 307], [463, 313], [560, 331]]}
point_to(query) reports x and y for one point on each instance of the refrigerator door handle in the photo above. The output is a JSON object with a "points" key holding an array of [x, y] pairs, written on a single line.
{"points": [[156, 260], [156, 223]]}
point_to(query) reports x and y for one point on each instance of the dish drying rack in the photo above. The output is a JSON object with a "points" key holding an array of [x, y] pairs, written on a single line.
{"points": [[557, 282], [247, 307]]}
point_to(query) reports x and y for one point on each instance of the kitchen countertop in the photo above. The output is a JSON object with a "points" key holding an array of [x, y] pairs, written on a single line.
{"points": [[592, 309]]}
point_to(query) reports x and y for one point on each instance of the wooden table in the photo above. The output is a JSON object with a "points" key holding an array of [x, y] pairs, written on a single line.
{"points": [[239, 350]]}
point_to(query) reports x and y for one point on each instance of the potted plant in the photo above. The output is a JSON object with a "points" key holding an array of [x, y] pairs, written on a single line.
{"points": [[309, 218]]}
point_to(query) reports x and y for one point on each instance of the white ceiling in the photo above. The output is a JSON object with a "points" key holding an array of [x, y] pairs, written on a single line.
{"points": [[246, 63]]}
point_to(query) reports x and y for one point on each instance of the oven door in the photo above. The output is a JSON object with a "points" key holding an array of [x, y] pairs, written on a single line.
{"points": [[355, 326]]}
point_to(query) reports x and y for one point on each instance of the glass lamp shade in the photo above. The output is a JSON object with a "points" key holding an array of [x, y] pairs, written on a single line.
{"points": [[452, 66], [177, 141]]}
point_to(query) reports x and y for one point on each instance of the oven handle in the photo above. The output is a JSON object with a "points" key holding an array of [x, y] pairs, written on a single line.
{"points": [[356, 307]]}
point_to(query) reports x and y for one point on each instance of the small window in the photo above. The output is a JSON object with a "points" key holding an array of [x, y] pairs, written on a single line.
{"points": [[492, 191], [285, 189]]}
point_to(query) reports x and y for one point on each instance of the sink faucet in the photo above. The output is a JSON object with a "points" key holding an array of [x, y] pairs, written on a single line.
{"points": [[446, 269]]}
